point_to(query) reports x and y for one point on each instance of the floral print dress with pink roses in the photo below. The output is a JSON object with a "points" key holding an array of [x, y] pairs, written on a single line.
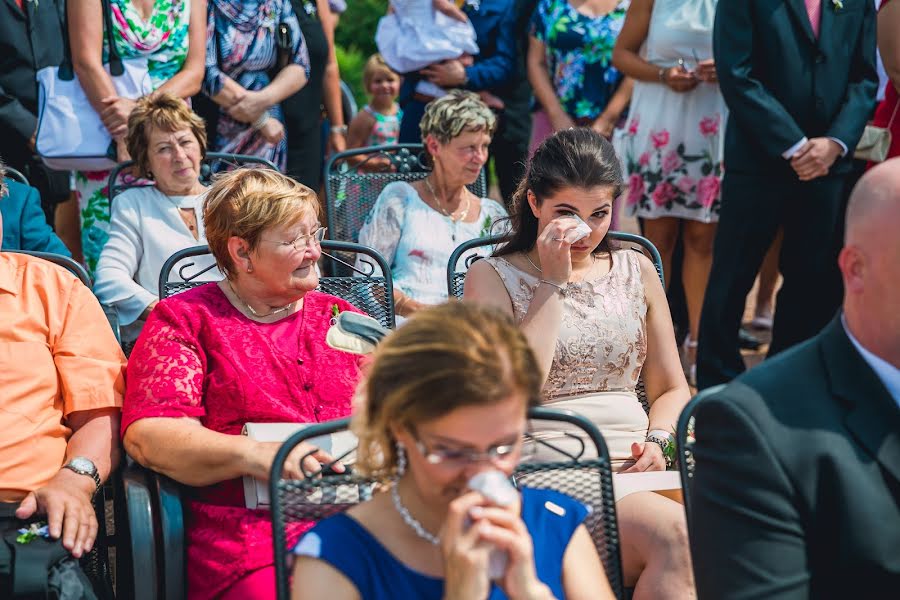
{"points": [[673, 143]]}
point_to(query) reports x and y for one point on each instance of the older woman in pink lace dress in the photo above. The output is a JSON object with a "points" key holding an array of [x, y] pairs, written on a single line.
{"points": [[250, 348]]}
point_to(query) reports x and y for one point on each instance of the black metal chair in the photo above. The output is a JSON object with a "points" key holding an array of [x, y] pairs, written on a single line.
{"points": [[317, 497], [15, 175], [118, 182], [352, 184], [684, 444], [373, 294]]}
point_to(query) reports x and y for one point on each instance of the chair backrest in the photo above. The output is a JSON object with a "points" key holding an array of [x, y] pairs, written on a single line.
{"points": [[352, 183], [373, 294], [348, 102], [63, 261], [15, 175], [684, 441], [119, 180], [456, 273], [588, 480]]}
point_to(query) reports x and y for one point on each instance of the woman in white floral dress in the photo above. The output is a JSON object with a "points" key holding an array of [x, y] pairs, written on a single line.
{"points": [[672, 147], [171, 34]]}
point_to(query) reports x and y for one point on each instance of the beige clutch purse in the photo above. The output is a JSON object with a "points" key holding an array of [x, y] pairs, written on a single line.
{"points": [[875, 142]]}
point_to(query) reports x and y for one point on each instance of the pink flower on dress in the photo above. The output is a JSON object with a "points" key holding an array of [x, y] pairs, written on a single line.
{"points": [[644, 159], [660, 139], [708, 190], [664, 192], [709, 126], [671, 161], [633, 126], [685, 183], [635, 189]]}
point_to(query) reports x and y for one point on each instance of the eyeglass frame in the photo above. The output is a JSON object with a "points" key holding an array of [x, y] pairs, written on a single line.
{"points": [[318, 235], [469, 457]]}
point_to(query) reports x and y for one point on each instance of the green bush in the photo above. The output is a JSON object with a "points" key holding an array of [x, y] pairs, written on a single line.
{"points": [[356, 28], [351, 62], [355, 41]]}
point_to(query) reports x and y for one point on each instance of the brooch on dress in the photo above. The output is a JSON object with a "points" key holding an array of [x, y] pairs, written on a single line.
{"points": [[837, 4]]}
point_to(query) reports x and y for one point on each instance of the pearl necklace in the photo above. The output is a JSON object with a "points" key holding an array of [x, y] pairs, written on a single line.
{"points": [[274, 311], [411, 520]]}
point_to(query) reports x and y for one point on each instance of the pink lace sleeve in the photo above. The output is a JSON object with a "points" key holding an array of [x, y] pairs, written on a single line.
{"points": [[166, 369]]}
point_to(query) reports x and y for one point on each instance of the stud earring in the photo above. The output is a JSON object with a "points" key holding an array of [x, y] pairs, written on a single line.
{"points": [[249, 268]]}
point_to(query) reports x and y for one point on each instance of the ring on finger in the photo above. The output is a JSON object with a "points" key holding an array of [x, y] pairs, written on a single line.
{"points": [[558, 239]]}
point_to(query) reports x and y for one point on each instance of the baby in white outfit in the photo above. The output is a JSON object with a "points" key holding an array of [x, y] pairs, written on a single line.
{"points": [[418, 33]]}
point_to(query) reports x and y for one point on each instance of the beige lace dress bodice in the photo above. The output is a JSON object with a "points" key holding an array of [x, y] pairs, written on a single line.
{"points": [[600, 349]]}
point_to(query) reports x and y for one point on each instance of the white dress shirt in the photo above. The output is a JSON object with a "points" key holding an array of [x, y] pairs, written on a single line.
{"points": [[886, 372], [145, 229]]}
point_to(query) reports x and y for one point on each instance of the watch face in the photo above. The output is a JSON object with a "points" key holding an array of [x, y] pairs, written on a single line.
{"points": [[83, 464]]}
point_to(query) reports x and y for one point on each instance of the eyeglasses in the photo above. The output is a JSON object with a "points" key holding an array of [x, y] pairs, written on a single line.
{"points": [[303, 242], [499, 455]]}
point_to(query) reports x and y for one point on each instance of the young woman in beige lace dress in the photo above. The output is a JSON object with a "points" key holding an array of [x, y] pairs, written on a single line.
{"points": [[598, 320]]}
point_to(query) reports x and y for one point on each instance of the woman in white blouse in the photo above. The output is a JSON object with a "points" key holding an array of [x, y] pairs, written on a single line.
{"points": [[416, 226], [149, 224]]}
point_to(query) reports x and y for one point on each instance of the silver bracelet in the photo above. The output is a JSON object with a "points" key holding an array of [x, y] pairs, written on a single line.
{"points": [[261, 121], [562, 290]]}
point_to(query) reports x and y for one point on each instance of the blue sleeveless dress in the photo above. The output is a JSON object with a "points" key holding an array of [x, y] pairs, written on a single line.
{"points": [[340, 541]]}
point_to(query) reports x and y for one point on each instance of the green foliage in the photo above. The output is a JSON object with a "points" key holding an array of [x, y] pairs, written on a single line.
{"points": [[357, 25], [355, 41], [351, 62]]}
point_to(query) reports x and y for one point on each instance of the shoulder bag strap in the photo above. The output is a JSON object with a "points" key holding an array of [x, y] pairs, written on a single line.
{"points": [[66, 71], [115, 61]]}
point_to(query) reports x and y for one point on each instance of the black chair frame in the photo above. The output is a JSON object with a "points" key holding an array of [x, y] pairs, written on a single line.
{"points": [[15, 175], [114, 188], [330, 285], [684, 446], [608, 548]]}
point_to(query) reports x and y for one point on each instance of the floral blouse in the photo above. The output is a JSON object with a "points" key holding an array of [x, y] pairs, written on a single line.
{"points": [[579, 54]]}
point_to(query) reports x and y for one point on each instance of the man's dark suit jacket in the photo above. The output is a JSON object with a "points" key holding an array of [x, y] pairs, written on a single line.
{"points": [[781, 83], [26, 46], [796, 492], [24, 224]]}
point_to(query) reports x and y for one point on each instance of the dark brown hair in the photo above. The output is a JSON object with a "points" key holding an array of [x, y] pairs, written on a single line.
{"points": [[578, 157]]}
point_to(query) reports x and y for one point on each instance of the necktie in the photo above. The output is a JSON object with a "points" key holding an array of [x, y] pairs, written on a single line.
{"points": [[814, 10]]}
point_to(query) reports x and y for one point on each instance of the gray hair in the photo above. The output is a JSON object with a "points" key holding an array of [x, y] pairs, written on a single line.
{"points": [[458, 111]]}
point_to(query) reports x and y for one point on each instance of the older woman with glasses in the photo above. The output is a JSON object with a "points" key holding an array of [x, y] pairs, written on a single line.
{"points": [[250, 348], [445, 400]]}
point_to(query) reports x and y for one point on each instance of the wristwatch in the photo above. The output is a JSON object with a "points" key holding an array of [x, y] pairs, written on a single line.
{"points": [[84, 466], [339, 129]]}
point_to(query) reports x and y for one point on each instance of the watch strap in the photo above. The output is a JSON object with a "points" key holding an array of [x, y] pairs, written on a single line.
{"points": [[93, 475]]}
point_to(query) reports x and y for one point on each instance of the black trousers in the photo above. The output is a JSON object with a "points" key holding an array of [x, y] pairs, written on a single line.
{"points": [[753, 207]]}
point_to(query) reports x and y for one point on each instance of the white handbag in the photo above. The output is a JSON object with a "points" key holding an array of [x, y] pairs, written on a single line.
{"points": [[875, 142], [70, 134]]}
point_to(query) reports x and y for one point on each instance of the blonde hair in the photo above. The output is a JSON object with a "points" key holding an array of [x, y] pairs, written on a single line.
{"points": [[445, 357], [247, 201], [163, 111], [458, 111], [374, 65]]}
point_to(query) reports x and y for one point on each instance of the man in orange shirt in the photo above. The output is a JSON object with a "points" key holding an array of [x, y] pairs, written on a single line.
{"points": [[61, 388]]}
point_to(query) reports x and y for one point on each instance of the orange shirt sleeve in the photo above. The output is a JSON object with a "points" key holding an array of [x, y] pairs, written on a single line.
{"points": [[88, 359]]}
